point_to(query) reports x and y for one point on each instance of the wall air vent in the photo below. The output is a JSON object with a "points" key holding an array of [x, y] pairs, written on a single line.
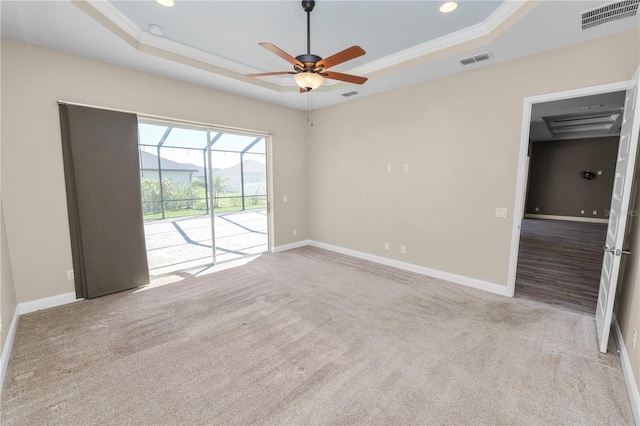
{"points": [[480, 57], [351, 93], [608, 13]]}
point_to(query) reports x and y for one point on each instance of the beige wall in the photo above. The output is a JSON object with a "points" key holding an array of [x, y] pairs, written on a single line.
{"points": [[8, 301], [628, 298], [460, 136], [34, 78]]}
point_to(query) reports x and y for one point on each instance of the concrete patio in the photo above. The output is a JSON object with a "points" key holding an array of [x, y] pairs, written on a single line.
{"points": [[179, 244]]}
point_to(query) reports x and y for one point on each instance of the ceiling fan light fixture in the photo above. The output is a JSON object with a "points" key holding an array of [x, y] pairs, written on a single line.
{"points": [[449, 6], [308, 80], [166, 3]]}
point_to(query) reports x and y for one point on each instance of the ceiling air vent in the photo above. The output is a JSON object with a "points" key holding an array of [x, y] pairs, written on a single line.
{"points": [[611, 12], [480, 57], [351, 93]]}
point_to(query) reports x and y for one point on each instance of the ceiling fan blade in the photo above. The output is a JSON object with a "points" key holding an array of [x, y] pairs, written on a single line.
{"points": [[340, 57], [284, 55], [303, 90], [344, 77], [263, 74]]}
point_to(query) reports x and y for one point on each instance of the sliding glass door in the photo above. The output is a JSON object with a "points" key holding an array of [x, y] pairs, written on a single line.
{"points": [[204, 195]]}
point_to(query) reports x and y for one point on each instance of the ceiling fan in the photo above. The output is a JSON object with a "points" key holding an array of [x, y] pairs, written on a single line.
{"points": [[310, 70]]}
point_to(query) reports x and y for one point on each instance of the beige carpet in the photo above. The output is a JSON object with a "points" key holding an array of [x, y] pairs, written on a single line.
{"points": [[311, 337]]}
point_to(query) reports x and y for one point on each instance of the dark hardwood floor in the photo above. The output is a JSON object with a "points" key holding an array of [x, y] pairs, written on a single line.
{"points": [[560, 262]]}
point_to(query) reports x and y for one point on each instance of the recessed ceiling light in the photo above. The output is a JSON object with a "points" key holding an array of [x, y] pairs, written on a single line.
{"points": [[449, 6], [166, 3], [155, 29]]}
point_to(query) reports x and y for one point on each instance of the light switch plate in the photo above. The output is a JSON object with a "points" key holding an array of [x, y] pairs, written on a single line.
{"points": [[501, 212]]}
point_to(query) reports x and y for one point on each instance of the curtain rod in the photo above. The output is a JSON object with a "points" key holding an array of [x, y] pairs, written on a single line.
{"points": [[215, 127]]}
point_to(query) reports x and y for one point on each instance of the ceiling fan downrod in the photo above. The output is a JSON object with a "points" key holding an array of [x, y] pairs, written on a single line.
{"points": [[308, 6], [308, 59]]}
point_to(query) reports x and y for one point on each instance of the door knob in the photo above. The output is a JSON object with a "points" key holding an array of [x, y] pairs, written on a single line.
{"points": [[616, 252]]}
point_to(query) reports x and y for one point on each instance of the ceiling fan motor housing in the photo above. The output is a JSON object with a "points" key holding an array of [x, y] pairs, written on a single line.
{"points": [[309, 61], [308, 5]]}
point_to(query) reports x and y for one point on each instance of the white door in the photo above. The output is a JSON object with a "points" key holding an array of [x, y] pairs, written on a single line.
{"points": [[618, 217]]}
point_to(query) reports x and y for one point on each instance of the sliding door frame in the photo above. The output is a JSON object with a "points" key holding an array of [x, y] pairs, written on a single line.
{"points": [[209, 129]]}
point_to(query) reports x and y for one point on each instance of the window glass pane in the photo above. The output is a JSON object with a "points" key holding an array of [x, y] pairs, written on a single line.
{"points": [[260, 147], [226, 181], [235, 143], [186, 138], [150, 134]]}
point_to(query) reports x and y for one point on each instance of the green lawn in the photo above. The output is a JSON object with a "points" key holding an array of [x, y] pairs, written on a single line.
{"points": [[225, 204]]}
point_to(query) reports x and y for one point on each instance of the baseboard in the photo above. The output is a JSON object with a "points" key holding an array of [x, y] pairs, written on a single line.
{"points": [[447, 276], [47, 302], [291, 246], [8, 345], [632, 387], [567, 218]]}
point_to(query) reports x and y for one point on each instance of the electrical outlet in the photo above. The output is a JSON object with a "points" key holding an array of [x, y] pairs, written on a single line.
{"points": [[581, 211], [285, 199], [388, 167], [70, 275], [403, 249], [595, 212], [386, 246], [599, 172], [405, 168], [537, 209], [295, 232], [634, 339]]}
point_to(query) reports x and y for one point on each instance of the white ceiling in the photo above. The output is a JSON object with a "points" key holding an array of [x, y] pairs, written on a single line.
{"points": [[214, 43]]}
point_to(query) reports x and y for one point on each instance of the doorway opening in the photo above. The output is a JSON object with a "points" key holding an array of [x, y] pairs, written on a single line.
{"points": [[572, 151], [204, 195], [622, 194]]}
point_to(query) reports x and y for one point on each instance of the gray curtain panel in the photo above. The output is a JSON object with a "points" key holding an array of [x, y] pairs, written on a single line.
{"points": [[103, 197]]}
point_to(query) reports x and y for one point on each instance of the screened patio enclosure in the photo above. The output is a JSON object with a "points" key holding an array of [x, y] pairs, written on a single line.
{"points": [[204, 195]]}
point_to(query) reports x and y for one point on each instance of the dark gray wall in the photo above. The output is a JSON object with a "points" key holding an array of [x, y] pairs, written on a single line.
{"points": [[555, 185]]}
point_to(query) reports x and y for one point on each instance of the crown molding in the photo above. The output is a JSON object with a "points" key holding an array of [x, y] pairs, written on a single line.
{"points": [[111, 18]]}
